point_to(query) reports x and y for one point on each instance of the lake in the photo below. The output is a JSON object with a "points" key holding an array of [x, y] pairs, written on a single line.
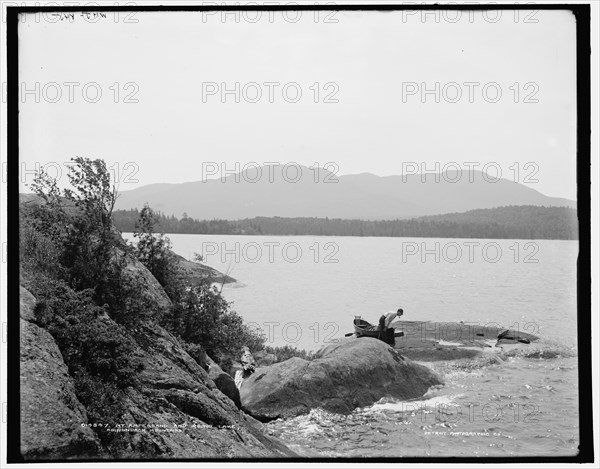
{"points": [[305, 290]]}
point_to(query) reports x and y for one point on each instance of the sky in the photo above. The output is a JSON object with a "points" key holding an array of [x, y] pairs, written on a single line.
{"points": [[164, 114]]}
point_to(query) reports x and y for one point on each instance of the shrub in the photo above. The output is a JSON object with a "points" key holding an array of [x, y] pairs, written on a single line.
{"points": [[286, 352], [37, 251], [203, 317], [99, 353], [88, 340], [154, 251]]}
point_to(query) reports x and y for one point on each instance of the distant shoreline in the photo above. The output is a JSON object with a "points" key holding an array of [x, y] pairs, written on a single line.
{"points": [[355, 236], [524, 222]]}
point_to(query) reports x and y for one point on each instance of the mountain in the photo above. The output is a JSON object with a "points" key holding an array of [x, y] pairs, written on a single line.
{"points": [[302, 192]]}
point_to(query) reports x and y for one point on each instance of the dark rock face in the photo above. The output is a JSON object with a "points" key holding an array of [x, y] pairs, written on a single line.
{"points": [[350, 374], [224, 382], [170, 388], [51, 414]]}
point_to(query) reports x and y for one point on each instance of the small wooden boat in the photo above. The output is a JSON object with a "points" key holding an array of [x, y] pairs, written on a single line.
{"points": [[364, 328]]}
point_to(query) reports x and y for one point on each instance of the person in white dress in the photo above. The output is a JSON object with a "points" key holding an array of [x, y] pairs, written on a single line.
{"points": [[248, 367]]}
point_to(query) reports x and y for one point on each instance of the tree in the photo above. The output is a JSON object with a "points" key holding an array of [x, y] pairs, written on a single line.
{"points": [[79, 221], [154, 251]]}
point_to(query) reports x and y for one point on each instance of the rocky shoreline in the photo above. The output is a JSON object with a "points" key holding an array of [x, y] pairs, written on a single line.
{"points": [[173, 407], [357, 372], [177, 407]]}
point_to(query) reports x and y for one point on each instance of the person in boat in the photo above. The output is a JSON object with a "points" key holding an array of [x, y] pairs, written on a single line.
{"points": [[390, 316], [386, 319]]}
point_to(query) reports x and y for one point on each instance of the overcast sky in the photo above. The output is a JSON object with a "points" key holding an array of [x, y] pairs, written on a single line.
{"points": [[373, 62]]}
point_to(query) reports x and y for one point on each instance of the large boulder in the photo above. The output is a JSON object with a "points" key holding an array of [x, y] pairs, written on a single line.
{"points": [[344, 376], [150, 288]]}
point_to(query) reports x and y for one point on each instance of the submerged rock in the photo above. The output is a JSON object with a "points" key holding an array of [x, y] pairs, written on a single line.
{"points": [[441, 341], [344, 376]]}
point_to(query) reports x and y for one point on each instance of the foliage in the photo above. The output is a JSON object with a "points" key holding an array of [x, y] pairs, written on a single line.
{"points": [[50, 217], [93, 193], [287, 351], [88, 342], [77, 222], [203, 317], [37, 252], [99, 353], [198, 257], [154, 251]]}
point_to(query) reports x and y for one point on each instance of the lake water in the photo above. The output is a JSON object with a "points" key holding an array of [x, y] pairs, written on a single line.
{"points": [[305, 290]]}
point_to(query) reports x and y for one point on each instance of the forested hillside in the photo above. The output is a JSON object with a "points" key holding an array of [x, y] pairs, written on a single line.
{"points": [[511, 222]]}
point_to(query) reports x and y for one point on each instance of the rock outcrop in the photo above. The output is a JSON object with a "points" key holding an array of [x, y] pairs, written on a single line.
{"points": [[53, 421], [435, 341], [200, 273], [224, 382], [172, 409], [151, 288], [344, 376]]}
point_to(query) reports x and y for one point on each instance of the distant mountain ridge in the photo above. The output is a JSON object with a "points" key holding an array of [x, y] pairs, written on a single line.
{"points": [[319, 193]]}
